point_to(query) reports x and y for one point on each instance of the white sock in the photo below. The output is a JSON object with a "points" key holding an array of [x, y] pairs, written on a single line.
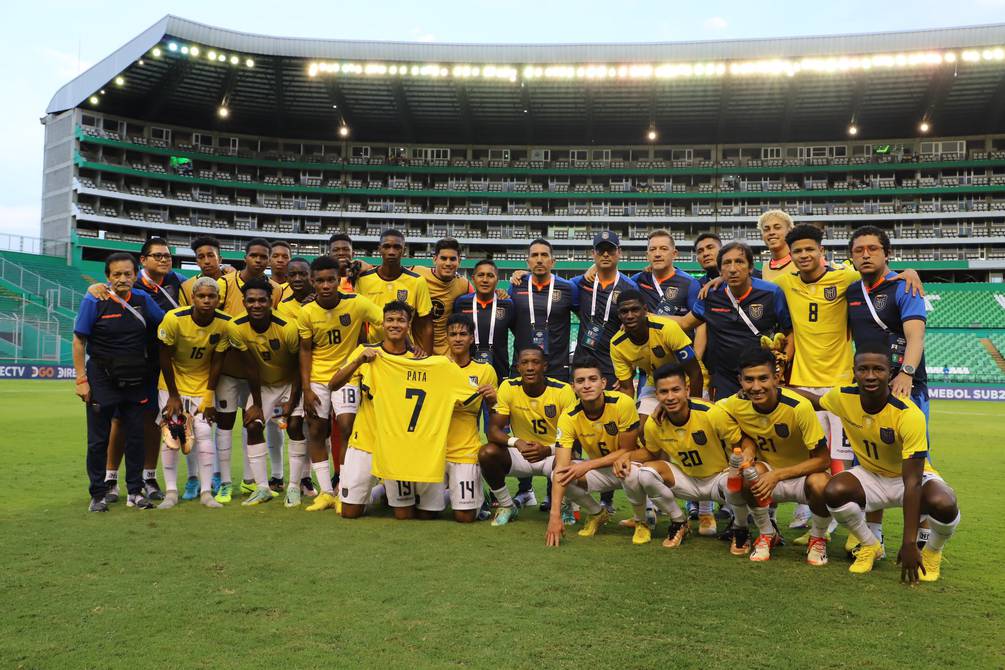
{"points": [[246, 472], [705, 507], [941, 532], [852, 517], [224, 446], [503, 496], [661, 494], [150, 473], [216, 457], [206, 450], [763, 520], [298, 460], [274, 439], [169, 463], [256, 454], [740, 513], [113, 475], [818, 525], [876, 528], [579, 496], [323, 473]]}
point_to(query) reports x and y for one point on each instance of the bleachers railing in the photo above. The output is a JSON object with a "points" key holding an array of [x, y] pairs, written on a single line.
{"points": [[26, 339], [55, 295], [34, 245]]}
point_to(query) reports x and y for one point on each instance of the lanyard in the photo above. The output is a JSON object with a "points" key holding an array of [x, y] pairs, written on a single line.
{"points": [[492, 319], [743, 315], [658, 286], [129, 308], [872, 310], [149, 283], [610, 299], [530, 302]]}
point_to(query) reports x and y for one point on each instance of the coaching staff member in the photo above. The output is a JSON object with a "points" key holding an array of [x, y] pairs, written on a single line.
{"points": [[114, 377]]}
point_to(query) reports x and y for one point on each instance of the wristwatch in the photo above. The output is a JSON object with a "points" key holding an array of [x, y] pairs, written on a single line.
{"points": [[908, 369]]}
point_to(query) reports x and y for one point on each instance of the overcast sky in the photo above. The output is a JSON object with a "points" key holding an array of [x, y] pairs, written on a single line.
{"points": [[45, 44]]}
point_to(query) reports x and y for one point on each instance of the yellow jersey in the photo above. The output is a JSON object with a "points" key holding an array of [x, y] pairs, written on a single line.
{"points": [[409, 288], [276, 350], [442, 295], [185, 294], [463, 438], [364, 426], [415, 400], [771, 272], [598, 436], [699, 446], [335, 332], [534, 418], [194, 348], [785, 435], [290, 308], [881, 441], [819, 314], [232, 298], [666, 343]]}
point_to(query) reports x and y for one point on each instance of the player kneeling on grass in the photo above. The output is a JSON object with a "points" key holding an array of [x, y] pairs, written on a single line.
{"points": [[606, 426], [193, 342], [530, 407], [683, 457], [792, 455], [888, 436], [270, 347]]}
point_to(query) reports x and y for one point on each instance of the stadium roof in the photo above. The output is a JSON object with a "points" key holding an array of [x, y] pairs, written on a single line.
{"points": [[793, 89]]}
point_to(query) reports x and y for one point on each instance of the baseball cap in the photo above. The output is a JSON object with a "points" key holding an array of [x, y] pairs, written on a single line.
{"points": [[606, 237]]}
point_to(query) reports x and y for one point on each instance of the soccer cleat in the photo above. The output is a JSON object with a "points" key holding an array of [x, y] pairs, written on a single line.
{"points": [[485, 511], [322, 502], [676, 533], [740, 545], [307, 487], [816, 551], [851, 544], [804, 539], [932, 562], [504, 515], [525, 499], [247, 488], [139, 501], [762, 548], [261, 495], [594, 522], [568, 515], [97, 505], [628, 523], [225, 494], [545, 505], [692, 510], [191, 489], [608, 506], [706, 525], [207, 499], [215, 482], [152, 490], [292, 495], [864, 559], [801, 517], [170, 500], [111, 491], [276, 484], [643, 534], [882, 552]]}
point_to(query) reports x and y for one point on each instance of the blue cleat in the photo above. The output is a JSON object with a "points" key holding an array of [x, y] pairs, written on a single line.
{"points": [[191, 489]]}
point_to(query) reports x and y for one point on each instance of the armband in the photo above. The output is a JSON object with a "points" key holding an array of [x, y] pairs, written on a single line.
{"points": [[511, 442]]}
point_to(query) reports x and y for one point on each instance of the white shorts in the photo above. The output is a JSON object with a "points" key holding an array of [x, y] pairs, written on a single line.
{"points": [[189, 404], [647, 402], [840, 447], [881, 491], [325, 397], [602, 480], [273, 397], [346, 400], [521, 467], [789, 490], [231, 393], [464, 482], [427, 496], [698, 488], [355, 478]]}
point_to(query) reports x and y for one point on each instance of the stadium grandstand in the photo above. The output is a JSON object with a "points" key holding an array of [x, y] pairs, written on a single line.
{"points": [[190, 130]]}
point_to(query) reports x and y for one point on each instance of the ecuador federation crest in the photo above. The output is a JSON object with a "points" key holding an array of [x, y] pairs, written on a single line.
{"points": [[659, 352], [403, 295], [274, 344], [756, 310], [887, 435], [344, 319], [830, 292], [550, 411], [699, 437], [438, 308], [880, 301], [214, 338], [782, 430], [670, 292], [611, 428]]}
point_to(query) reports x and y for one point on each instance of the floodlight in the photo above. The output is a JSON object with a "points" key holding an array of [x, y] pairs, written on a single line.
{"points": [[343, 131], [651, 135], [120, 81], [249, 63], [172, 46], [924, 127], [93, 99], [223, 112], [853, 130], [234, 60], [194, 51], [211, 55]]}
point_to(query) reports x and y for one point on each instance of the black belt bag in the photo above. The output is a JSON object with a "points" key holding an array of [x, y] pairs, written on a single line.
{"points": [[127, 371]]}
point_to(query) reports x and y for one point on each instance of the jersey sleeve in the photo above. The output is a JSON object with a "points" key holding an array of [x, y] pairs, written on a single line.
{"points": [[809, 425], [86, 316], [567, 398], [503, 399], [678, 340], [566, 431], [574, 291], [911, 306], [782, 311], [489, 377], [152, 308], [292, 337], [423, 304], [727, 429], [622, 370], [224, 342], [167, 332], [304, 325], [628, 417], [913, 434], [692, 294], [849, 275], [698, 309], [234, 333], [831, 401], [369, 311], [651, 432], [357, 376]]}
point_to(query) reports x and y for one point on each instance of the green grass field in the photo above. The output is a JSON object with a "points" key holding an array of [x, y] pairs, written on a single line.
{"points": [[271, 587]]}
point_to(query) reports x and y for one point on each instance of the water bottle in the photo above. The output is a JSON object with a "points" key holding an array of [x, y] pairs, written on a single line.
{"points": [[734, 480], [751, 475]]}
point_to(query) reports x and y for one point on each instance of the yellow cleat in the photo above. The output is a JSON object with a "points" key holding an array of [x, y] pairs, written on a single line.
{"points": [[851, 543], [594, 522], [864, 559], [706, 525], [643, 534], [932, 562], [322, 502]]}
